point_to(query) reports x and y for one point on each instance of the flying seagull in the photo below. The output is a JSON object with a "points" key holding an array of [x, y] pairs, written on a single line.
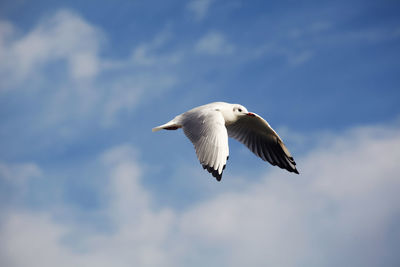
{"points": [[209, 126]]}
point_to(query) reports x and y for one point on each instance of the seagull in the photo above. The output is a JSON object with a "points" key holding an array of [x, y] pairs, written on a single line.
{"points": [[209, 126]]}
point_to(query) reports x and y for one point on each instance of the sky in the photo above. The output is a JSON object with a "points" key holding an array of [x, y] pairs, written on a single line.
{"points": [[84, 181]]}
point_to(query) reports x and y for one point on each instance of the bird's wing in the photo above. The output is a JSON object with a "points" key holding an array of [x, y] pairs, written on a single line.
{"points": [[206, 130], [255, 133]]}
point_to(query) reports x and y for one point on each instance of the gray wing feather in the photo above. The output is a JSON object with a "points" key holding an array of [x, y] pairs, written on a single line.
{"points": [[206, 130], [255, 133]]}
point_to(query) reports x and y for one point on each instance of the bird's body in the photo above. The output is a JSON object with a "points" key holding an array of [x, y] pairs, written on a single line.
{"points": [[209, 126]]}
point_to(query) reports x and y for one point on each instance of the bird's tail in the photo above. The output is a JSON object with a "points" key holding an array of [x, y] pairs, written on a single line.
{"points": [[171, 125]]}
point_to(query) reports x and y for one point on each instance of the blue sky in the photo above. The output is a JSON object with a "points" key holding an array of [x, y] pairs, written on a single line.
{"points": [[84, 181]]}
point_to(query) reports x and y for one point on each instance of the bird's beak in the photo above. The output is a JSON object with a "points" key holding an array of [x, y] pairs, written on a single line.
{"points": [[251, 114]]}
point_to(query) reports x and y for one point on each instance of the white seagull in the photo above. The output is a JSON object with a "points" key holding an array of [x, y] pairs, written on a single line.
{"points": [[209, 126]]}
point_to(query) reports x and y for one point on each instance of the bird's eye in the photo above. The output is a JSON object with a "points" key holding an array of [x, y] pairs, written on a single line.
{"points": [[240, 110]]}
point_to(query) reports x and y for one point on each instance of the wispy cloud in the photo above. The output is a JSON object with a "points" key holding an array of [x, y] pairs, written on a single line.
{"points": [[147, 54], [300, 58], [19, 173], [214, 43], [299, 44], [199, 8], [15, 179], [310, 30]]}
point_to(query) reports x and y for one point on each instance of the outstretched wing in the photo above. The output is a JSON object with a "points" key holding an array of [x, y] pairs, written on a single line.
{"points": [[206, 130], [255, 133]]}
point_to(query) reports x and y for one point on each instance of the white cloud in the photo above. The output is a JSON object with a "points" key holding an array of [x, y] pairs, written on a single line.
{"points": [[147, 53], [341, 210], [300, 58], [308, 31], [214, 43], [19, 173], [33, 239], [141, 233], [199, 8], [58, 59], [64, 36], [83, 65], [16, 177], [339, 205], [139, 238], [293, 56]]}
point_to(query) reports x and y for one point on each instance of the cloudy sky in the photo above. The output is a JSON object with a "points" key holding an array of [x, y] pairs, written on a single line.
{"points": [[84, 181]]}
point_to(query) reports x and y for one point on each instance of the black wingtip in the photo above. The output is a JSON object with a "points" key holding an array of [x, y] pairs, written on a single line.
{"points": [[213, 172]]}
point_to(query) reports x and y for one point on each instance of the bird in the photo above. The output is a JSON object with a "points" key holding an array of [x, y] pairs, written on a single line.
{"points": [[209, 126]]}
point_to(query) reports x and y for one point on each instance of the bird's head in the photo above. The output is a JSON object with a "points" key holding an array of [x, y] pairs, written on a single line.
{"points": [[235, 112], [240, 111]]}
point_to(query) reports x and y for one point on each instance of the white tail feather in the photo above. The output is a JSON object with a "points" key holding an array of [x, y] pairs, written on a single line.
{"points": [[170, 124], [155, 129]]}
